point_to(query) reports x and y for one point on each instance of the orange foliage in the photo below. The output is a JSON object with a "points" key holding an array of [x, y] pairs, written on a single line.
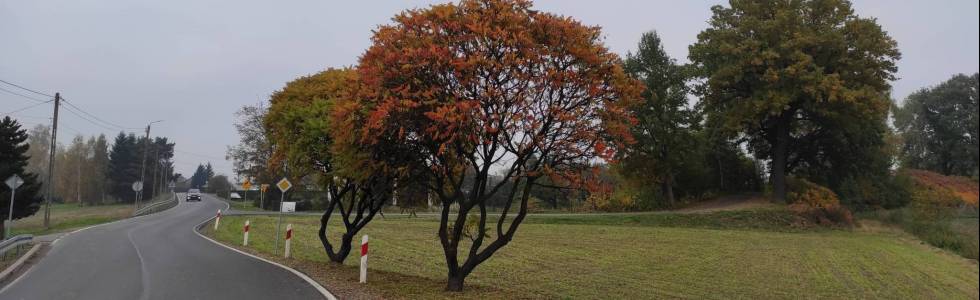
{"points": [[474, 81], [964, 188]]}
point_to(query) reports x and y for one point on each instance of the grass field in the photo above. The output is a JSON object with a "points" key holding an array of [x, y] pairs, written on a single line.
{"points": [[70, 216], [638, 257]]}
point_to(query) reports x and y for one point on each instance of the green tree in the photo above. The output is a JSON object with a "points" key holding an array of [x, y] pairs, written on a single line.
{"points": [[220, 185], [252, 155], [782, 72], [939, 127], [124, 167], [665, 126], [13, 160], [201, 176], [97, 171]]}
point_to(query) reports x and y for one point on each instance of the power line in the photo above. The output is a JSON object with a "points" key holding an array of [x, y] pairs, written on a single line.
{"points": [[27, 107], [72, 111], [22, 95], [26, 89], [119, 127]]}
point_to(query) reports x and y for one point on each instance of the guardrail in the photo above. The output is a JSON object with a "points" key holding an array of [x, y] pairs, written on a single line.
{"points": [[157, 206], [16, 242]]}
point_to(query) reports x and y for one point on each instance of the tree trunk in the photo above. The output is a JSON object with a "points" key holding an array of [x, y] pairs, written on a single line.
{"points": [[779, 155], [455, 283], [668, 190]]}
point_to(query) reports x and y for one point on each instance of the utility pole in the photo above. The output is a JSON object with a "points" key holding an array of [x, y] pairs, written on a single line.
{"points": [[156, 170], [146, 150], [53, 146], [78, 180]]}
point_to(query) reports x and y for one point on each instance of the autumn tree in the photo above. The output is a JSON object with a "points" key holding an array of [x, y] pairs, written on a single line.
{"points": [[484, 86], [39, 137], [301, 129], [13, 161], [666, 124], [788, 73], [939, 127]]}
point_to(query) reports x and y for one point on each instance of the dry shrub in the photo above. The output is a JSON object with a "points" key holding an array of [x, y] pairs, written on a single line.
{"points": [[817, 204], [946, 191]]}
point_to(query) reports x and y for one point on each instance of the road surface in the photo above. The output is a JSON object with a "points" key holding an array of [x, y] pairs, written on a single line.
{"points": [[154, 257]]}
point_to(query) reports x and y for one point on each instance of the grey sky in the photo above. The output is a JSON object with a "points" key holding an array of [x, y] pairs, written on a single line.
{"points": [[193, 63]]}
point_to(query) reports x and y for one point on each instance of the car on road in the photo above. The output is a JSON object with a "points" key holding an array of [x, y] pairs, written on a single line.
{"points": [[193, 195]]}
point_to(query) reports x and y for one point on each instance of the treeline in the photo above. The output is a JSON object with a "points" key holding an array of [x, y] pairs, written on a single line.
{"points": [[91, 171]]}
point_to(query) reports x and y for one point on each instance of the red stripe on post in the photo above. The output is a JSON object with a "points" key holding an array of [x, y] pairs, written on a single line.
{"points": [[246, 227], [364, 248], [289, 234]]}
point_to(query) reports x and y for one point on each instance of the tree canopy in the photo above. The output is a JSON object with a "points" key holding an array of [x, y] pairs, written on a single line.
{"points": [[489, 85], [665, 125], [798, 79], [939, 127]]}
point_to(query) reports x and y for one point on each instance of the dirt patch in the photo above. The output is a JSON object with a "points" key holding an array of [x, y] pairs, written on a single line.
{"points": [[725, 203]]}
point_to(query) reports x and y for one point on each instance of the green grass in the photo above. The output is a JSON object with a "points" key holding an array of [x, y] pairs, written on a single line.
{"points": [[632, 256], [756, 219], [70, 216], [940, 228], [240, 205]]}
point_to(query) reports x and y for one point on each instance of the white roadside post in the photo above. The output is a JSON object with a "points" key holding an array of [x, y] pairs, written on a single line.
{"points": [[289, 238], [217, 219], [13, 182], [245, 241], [364, 251]]}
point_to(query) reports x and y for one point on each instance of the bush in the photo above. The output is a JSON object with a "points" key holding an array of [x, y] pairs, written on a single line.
{"points": [[817, 204], [888, 192], [802, 191]]}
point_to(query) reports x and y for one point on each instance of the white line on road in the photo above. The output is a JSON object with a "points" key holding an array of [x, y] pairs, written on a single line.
{"points": [[326, 294]]}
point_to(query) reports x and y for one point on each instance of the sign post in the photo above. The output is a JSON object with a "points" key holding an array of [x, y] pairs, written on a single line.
{"points": [[283, 185], [247, 185], [13, 182], [172, 185], [262, 188], [137, 187]]}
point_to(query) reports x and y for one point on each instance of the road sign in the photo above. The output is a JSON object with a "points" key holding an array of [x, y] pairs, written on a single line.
{"points": [[288, 206], [264, 187], [284, 185], [137, 186], [247, 185], [14, 182], [172, 185]]}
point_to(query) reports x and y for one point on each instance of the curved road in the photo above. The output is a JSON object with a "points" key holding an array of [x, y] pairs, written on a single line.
{"points": [[154, 257]]}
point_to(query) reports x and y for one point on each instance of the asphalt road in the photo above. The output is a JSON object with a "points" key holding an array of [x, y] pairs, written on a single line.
{"points": [[154, 257]]}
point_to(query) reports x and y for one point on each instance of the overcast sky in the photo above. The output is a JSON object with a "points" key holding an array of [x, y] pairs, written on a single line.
{"points": [[193, 63]]}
